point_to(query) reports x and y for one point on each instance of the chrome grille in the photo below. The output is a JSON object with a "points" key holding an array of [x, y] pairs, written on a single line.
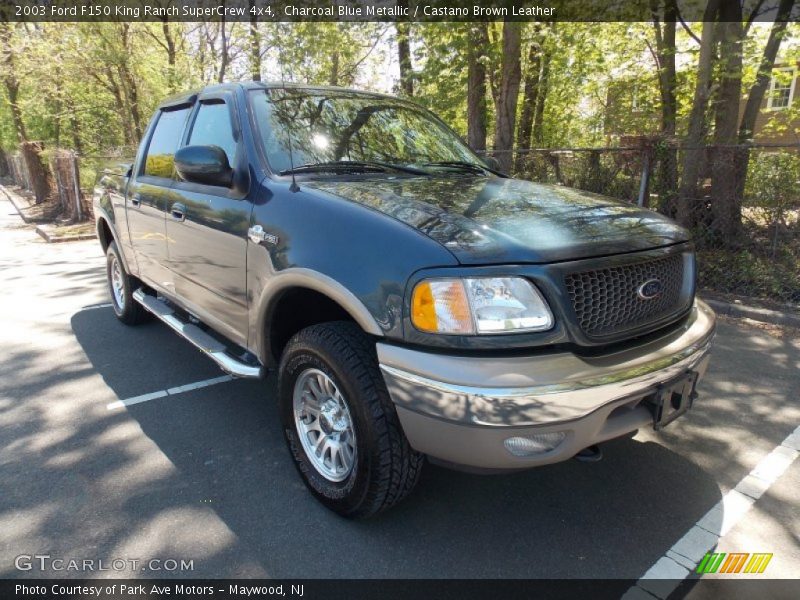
{"points": [[606, 301]]}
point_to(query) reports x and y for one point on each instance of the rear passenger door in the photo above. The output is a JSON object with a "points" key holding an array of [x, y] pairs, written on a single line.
{"points": [[149, 195], [207, 227]]}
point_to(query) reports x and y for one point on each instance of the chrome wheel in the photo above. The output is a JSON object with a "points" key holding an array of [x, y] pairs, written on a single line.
{"points": [[324, 425], [117, 284]]}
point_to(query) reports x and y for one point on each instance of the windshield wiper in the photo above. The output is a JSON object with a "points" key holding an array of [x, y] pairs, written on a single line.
{"points": [[353, 166], [458, 164]]}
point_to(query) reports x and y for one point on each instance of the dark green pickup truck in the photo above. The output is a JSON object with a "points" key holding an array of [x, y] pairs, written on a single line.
{"points": [[414, 301]]}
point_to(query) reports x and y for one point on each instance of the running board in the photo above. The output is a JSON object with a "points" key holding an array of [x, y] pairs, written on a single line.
{"points": [[208, 345]]}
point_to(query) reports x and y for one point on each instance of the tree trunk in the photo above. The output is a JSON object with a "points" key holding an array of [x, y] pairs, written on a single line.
{"points": [[334, 75], [476, 86], [172, 56], [255, 47], [132, 92], [506, 109], [12, 89], [693, 153], [74, 125], [667, 82], [224, 57], [4, 169], [122, 109], [529, 97], [544, 88], [725, 200], [404, 56], [37, 171]]}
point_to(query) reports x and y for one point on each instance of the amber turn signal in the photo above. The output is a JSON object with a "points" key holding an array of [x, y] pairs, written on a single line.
{"points": [[441, 306]]}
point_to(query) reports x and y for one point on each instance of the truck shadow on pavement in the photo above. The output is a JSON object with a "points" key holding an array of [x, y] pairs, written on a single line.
{"points": [[614, 518]]}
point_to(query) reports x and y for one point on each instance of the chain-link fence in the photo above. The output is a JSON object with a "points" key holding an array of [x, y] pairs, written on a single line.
{"points": [[744, 211]]}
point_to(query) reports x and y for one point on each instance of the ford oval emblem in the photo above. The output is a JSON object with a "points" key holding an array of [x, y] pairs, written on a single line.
{"points": [[649, 289]]}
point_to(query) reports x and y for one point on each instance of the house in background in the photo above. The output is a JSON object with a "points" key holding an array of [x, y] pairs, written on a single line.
{"points": [[632, 108], [778, 121]]}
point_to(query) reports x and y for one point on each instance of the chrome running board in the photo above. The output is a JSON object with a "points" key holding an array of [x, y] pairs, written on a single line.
{"points": [[207, 344]]}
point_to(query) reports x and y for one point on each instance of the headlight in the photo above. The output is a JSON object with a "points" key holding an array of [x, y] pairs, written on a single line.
{"points": [[482, 305]]}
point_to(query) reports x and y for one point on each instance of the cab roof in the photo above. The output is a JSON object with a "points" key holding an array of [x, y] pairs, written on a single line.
{"points": [[191, 96]]}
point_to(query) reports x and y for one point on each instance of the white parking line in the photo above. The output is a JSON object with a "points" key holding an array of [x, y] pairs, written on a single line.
{"points": [[682, 559], [173, 391], [93, 306]]}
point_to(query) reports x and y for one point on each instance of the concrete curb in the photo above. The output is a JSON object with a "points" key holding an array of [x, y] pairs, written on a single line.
{"points": [[57, 239], [764, 315], [41, 228], [10, 197]]}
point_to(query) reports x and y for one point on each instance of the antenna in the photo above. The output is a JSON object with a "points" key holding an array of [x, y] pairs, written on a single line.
{"points": [[294, 187]]}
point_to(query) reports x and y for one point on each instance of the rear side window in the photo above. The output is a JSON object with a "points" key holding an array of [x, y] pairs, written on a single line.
{"points": [[212, 127], [165, 140]]}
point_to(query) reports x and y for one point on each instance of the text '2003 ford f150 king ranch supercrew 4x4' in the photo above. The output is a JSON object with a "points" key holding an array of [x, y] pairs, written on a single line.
{"points": [[414, 301]]}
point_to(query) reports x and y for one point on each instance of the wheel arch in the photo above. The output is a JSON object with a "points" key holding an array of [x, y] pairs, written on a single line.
{"points": [[301, 290], [107, 233]]}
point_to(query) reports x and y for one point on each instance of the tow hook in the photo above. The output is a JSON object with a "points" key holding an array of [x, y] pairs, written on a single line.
{"points": [[590, 454]]}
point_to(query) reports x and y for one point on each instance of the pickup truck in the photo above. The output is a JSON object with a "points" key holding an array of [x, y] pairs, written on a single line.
{"points": [[416, 303]]}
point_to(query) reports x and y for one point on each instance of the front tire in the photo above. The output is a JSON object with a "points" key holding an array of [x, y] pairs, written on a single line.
{"points": [[121, 286], [340, 424]]}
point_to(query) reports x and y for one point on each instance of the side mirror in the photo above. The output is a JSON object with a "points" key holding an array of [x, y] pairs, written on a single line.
{"points": [[492, 163], [204, 164]]}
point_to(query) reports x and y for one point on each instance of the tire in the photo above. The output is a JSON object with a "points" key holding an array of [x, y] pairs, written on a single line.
{"points": [[121, 286], [356, 416]]}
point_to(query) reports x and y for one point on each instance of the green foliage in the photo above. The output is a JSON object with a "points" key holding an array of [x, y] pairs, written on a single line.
{"points": [[159, 165], [748, 272], [441, 71], [773, 184]]}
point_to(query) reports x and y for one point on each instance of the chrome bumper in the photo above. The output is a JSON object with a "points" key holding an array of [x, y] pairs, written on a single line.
{"points": [[461, 409]]}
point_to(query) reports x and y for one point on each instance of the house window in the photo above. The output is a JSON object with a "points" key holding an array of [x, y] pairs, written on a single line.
{"points": [[781, 89]]}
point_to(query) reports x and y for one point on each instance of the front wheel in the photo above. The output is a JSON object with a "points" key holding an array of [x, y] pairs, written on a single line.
{"points": [[340, 424]]}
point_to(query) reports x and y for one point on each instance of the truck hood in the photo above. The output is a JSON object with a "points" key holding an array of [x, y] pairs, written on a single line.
{"points": [[484, 220]]}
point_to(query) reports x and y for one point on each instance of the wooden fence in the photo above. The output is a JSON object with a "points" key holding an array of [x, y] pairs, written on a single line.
{"points": [[57, 179]]}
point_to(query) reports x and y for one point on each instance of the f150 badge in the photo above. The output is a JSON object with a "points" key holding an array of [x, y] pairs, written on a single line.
{"points": [[257, 235]]}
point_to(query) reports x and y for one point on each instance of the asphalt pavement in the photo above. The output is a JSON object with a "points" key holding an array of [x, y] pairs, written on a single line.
{"points": [[202, 475]]}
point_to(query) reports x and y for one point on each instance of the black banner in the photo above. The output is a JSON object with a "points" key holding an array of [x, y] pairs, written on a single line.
{"points": [[379, 589], [363, 10]]}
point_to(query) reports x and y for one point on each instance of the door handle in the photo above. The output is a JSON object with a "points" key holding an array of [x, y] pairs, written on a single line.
{"points": [[136, 199], [178, 211]]}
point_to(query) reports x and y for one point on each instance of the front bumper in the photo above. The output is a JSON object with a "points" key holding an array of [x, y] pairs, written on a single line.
{"points": [[461, 409]]}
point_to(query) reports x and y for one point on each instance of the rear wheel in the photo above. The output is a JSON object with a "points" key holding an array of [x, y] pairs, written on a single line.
{"points": [[121, 286], [340, 424]]}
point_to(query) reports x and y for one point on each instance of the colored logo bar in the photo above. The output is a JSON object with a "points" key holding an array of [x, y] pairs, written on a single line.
{"points": [[734, 562]]}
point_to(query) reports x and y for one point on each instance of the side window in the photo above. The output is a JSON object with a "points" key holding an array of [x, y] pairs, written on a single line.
{"points": [[165, 140], [212, 127]]}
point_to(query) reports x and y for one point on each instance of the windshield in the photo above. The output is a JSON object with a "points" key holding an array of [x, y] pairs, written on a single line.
{"points": [[330, 127]]}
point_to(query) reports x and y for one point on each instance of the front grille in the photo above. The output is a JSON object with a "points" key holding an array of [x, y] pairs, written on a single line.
{"points": [[606, 301]]}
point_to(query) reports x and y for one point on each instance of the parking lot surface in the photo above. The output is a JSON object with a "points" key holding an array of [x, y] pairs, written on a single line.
{"points": [[201, 473]]}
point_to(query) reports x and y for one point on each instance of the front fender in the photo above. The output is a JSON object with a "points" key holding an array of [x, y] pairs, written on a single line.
{"points": [[309, 279]]}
